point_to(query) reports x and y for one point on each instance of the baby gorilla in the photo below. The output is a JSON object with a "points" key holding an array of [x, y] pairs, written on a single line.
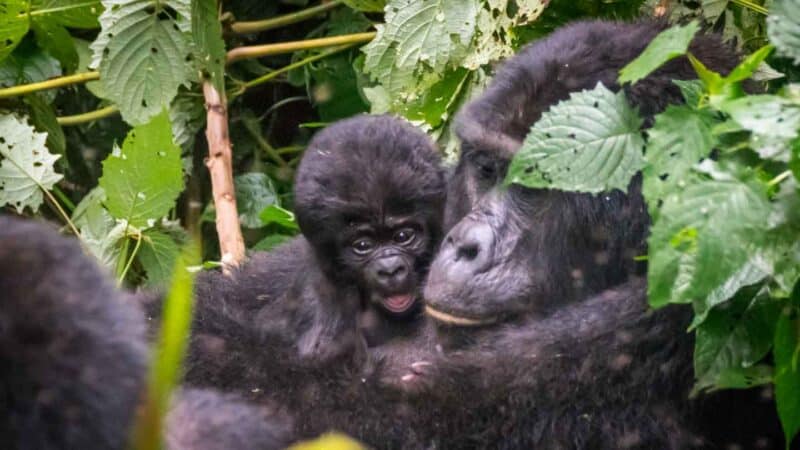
{"points": [[369, 196], [73, 360]]}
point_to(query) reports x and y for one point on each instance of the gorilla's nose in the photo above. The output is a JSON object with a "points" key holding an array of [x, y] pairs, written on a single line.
{"points": [[470, 245], [391, 271]]}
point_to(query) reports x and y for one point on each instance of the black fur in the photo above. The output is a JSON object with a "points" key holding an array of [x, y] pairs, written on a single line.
{"points": [[73, 360]]}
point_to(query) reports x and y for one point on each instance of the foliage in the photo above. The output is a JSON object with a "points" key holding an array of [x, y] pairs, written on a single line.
{"points": [[719, 173], [721, 188]]}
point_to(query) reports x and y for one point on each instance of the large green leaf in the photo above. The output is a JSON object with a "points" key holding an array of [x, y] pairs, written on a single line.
{"points": [[732, 340], [588, 143], [679, 138], [209, 46], [69, 13], [419, 41], [667, 45], [704, 235], [783, 28], [13, 25], [787, 371], [143, 179], [142, 57], [27, 166]]}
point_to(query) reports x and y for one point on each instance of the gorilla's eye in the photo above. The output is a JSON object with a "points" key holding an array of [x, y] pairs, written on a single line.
{"points": [[363, 246], [486, 171], [404, 236]]}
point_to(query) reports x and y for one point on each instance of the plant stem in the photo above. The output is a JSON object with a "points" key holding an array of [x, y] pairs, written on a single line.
{"points": [[78, 119], [258, 51], [22, 89], [220, 167], [251, 125], [64, 199], [267, 77], [290, 149], [139, 239], [281, 21], [63, 214], [778, 179], [752, 6]]}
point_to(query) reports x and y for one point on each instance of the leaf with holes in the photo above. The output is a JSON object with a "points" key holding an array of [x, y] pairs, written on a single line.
{"points": [[679, 138], [27, 166], [705, 233], [143, 179], [418, 42], [13, 25], [783, 28], [495, 33], [588, 143], [142, 56], [209, 46]]}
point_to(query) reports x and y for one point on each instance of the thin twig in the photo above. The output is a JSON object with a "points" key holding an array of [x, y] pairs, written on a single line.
{"points": [[258, 51], [23, 89], [281, 21], [78, 119]]}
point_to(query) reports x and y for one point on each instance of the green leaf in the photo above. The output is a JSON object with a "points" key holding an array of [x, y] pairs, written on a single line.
{"points": [[496, 30], [44, 119], [99, 232], [57, 41], [767, 115], [254, 192], [749, 65], [13, 25], [692, 91], [734, 337], [787, 372], [669, 44], [142, 58], [27, 166], [158, 255], [752, 272], [704, 234], [69, 13], [418, 42], [277, 215], [783, 28], [366, 5], [434, 106], [187, 114], [209, 46], [144, 178], [29, 64], [588, 143], [679, 138]]}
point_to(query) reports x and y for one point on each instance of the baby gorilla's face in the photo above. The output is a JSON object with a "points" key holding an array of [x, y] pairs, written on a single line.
{"points": [[389, 257]]}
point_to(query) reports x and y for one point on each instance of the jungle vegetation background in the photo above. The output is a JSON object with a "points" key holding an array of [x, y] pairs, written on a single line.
{"points": [[115, 117]]}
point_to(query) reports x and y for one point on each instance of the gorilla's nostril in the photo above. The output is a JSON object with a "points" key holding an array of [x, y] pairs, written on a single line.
{"points": [[467, 252], [392, 271]]}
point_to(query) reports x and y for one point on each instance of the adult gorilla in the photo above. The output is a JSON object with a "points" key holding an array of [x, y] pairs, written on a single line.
{"points": [[563, 351], [73, 360]]}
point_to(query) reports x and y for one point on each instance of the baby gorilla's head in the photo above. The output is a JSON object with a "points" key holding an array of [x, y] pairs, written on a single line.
{"points": [[369, 195]]}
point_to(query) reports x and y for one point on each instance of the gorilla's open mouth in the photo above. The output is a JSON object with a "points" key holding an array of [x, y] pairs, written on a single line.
{"points": [[451, 319], [399, 304]]}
